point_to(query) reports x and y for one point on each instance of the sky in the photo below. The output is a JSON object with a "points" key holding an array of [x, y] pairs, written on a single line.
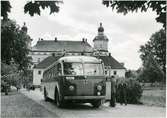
{"points": [[79, 19]]}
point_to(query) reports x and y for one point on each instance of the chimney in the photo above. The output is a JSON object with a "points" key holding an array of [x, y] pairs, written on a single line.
{"points": [[86, 40], [53, 54], [55, 39], [109, 54], [83, 39], [122, 63]]}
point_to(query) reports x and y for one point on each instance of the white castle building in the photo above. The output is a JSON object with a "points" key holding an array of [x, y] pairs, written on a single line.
{"points": [[42, 54]]}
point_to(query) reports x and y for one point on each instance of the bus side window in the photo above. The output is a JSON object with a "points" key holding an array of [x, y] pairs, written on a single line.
{"points": [[55, 70], [59, 72]]}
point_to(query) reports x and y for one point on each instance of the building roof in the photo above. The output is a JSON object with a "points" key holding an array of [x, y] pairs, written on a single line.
{"points": [[110, 61], [47, 62], [68, 46], [101, 37]]}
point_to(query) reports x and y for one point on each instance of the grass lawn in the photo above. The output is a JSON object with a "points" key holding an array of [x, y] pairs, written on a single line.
{"points": [[154, 97], [17, 105]]}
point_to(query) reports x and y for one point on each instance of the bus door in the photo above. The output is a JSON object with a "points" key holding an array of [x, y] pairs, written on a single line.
{"points": [[108, 88]]}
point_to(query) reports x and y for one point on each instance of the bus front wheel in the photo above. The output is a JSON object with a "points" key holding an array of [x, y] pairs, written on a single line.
{"points": [[59, 103], [97, 103]]}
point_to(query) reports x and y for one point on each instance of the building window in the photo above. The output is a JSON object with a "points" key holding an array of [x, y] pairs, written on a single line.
{"points": [[39, 72], [115, 72], [38, 60], [105, 72]]}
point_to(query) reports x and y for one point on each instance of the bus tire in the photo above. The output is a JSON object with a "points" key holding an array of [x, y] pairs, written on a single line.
{"points": [[59, 103], [97, 103], [45, 95]]}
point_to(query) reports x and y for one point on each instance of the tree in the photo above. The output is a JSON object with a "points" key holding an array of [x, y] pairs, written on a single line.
{"points": [[31, 7], [9, 76], [130, 74], [5, 8], [155, 47], [14, 45], [151, 72], [126, 6]]}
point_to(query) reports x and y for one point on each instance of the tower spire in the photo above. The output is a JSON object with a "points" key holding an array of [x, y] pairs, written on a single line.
{"points": [[24, 28], [100, 24], [100, 29]]}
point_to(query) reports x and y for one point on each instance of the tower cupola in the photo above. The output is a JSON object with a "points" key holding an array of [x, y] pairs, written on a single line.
{"points": [[101, 41], [24, 28]]}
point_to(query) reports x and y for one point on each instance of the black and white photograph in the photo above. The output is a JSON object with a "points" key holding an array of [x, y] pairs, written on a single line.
{"points": [[83, 58]]}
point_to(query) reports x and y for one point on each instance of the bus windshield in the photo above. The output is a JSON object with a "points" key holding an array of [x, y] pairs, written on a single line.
{"points": [[73, 68], [90, 69], [93, 69]]}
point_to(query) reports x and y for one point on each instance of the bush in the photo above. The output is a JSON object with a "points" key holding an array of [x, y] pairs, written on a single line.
{"points": [[133, 90]]}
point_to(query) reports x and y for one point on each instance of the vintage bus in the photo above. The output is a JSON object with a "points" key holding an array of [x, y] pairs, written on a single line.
{"points": [[75, 79]]}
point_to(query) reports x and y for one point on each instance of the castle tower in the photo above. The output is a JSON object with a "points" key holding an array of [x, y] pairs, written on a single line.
{"points": [[101, 41], [24, 28], [29, 40]]}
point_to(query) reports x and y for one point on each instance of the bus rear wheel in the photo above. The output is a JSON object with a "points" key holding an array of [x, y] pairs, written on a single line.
{"points": [[45, 95], [97, 103]]}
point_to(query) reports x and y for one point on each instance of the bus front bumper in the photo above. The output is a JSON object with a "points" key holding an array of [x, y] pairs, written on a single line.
{"points": [[83, 97]]}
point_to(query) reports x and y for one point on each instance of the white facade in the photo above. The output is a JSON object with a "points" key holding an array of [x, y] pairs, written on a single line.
{"points": [[36, 58], [115, 72], [118, 72], [37, 76]]}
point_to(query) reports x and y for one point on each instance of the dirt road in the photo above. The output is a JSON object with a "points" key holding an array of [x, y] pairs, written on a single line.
{"points": [[86, 110]]}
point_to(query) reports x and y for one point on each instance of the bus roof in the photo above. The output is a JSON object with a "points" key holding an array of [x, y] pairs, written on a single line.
{"points": [[80, 59]]}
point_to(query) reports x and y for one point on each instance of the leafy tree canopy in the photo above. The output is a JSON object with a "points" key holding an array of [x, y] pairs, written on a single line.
{"points": [[130, 74], [156, 47], [34, 8], [5, 8], [31, 7], [126, 6], [14, 46], [151, 71]]}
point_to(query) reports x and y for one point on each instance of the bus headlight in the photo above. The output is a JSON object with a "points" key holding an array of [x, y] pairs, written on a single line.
{"points": [[98, 93], [71, 87], [99, 87]]}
